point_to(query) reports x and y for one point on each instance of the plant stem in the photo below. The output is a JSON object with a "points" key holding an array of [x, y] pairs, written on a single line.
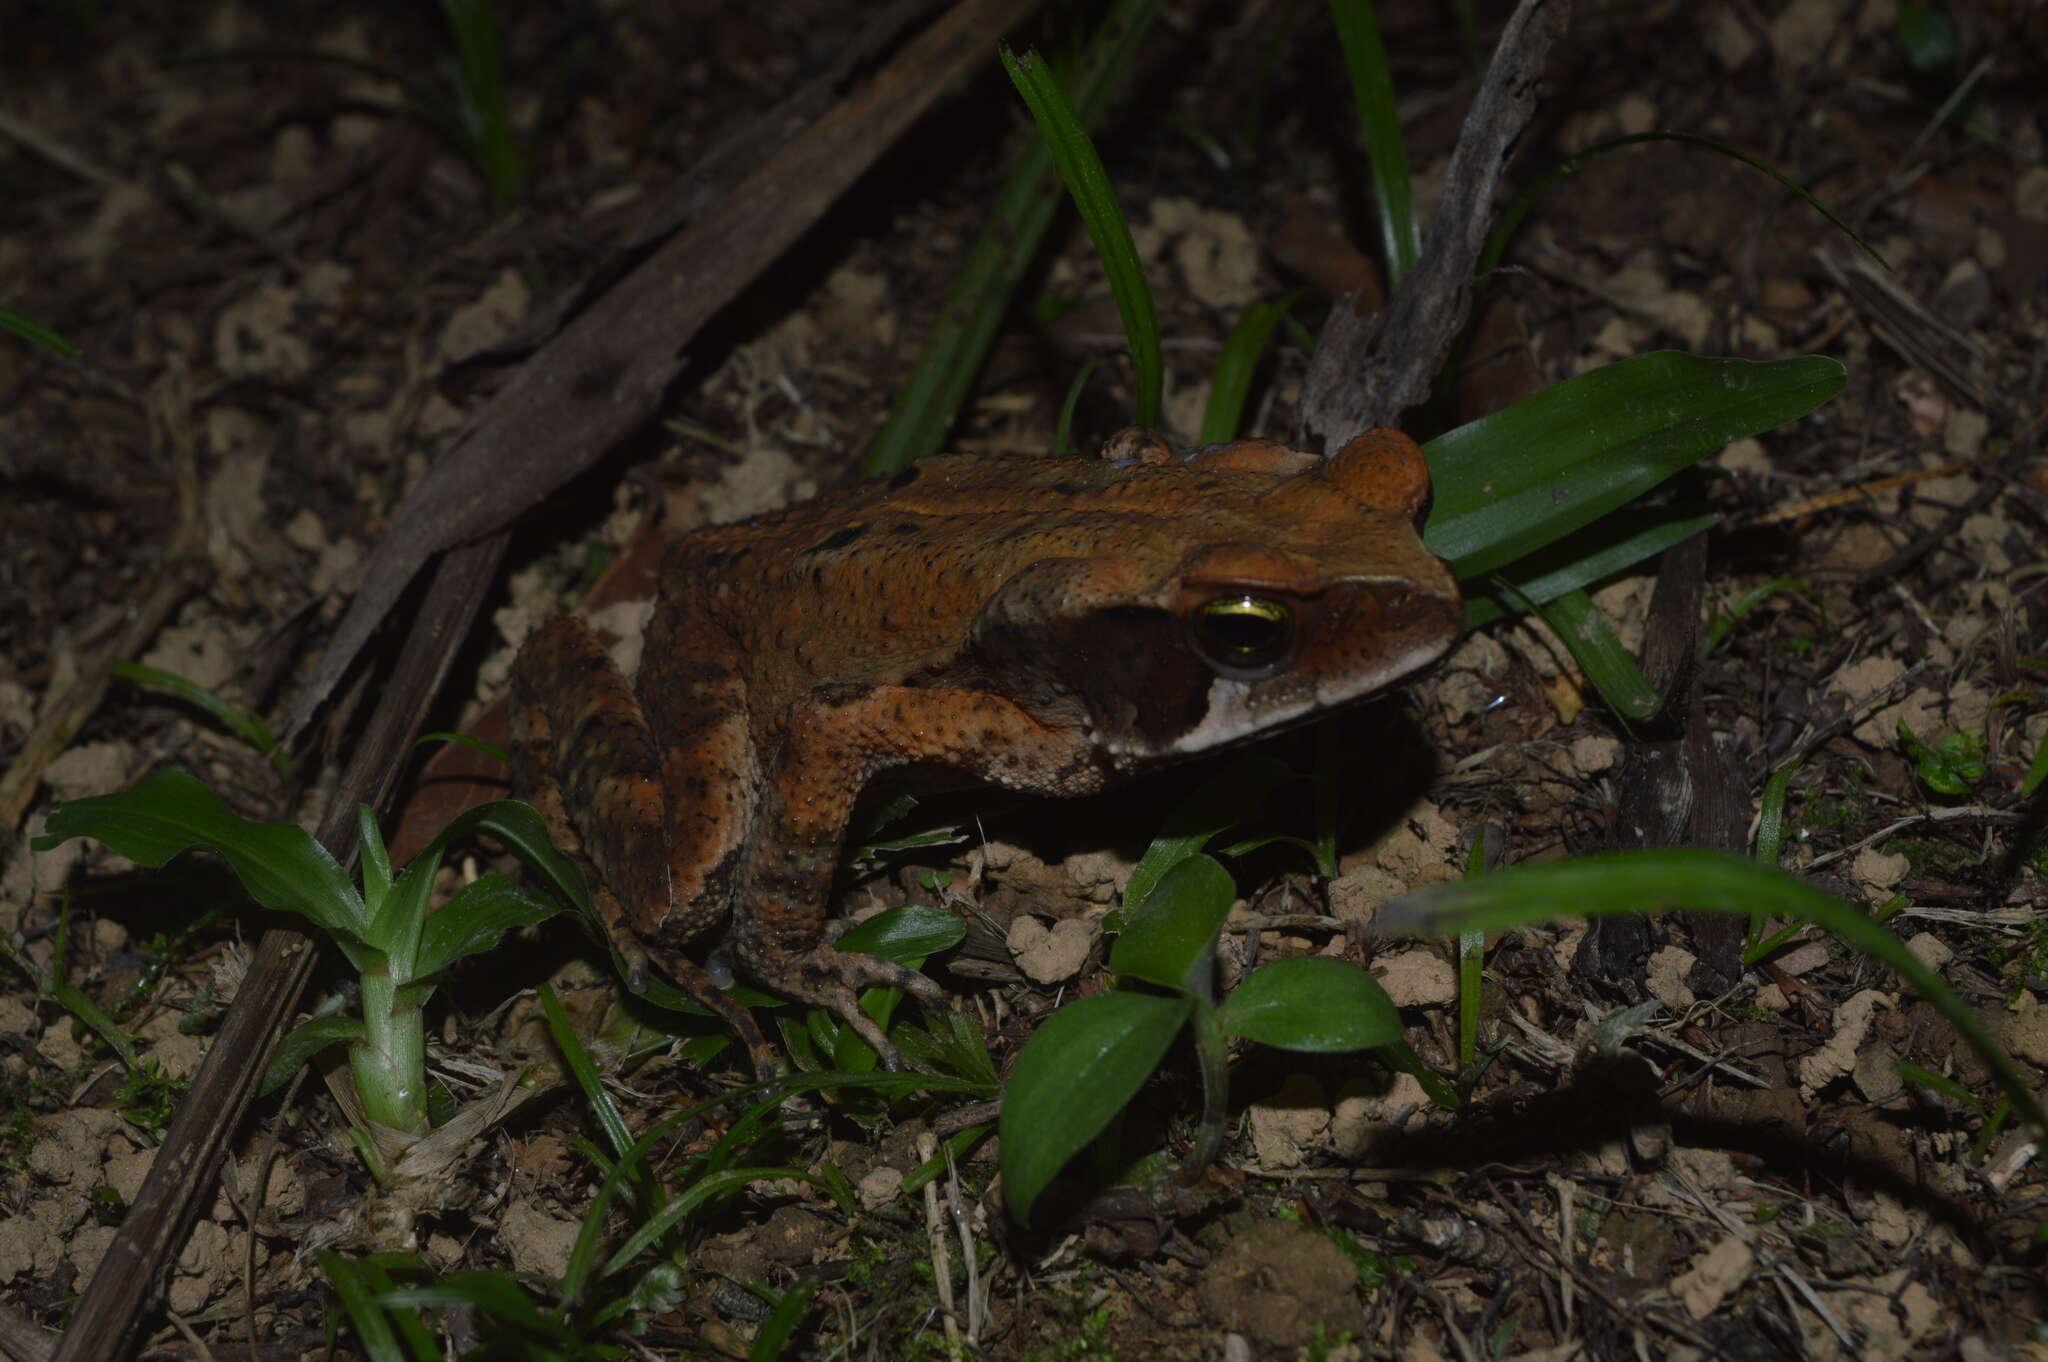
{"points": [[390, 1063], [1213, 1058]]}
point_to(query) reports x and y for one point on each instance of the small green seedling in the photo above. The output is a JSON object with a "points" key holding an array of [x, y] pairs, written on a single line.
{"points": [[1949, 767], [398, 950], [1085, 1063], [1992, 1116], [608, 1281]]}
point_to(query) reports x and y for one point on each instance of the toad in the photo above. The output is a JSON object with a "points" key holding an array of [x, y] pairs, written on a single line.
{"points": [[1046, 625]]}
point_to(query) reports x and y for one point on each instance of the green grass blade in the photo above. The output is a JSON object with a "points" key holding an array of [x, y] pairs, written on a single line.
{"points": [[1372, 87], [244, 724], [780, 1326], [1770, 820], [480, 98], [698, 1193], [73, 999], [1694, 881], [997, 262], [1589, 636], [1063, 434], [1236, 367], [1724, 623], [1520, 479], [496, 1294], [357, 1285], [475, 920], [1080, 169], [29, 329], [2037, 773], [1471, 968], [1604, 548], [1511, 220]]}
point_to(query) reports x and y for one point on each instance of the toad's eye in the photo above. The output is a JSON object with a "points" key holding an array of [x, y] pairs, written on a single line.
{"points": [[1243, 637]]}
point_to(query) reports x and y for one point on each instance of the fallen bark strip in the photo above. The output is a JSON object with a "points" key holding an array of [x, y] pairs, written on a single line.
{"points": [[1368, 370], [536, 434], [603, 376]]}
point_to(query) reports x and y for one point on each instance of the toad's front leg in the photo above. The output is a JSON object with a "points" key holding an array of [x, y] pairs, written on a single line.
{"points": [[836, 740]]}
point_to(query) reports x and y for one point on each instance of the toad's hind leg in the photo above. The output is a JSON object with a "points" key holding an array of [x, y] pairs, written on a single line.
{"points": [[581, 741]]}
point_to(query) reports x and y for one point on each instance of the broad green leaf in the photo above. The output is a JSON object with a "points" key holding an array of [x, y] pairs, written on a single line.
{"points": [[170, 813], [1513, 482], [1693, 881], [474, 920], [1312, 1003], [908, 935], [1172, 939], [525, 834], [1234, 794], [1078, 1070], [304, 1041], [401, 911]]}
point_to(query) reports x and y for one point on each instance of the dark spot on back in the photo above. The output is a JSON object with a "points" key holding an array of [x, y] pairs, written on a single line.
{"points": [[904, 527], [905, 478], [839, 539], [1067, 489]]}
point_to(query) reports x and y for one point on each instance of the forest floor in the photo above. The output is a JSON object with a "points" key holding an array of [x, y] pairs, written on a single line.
{"points": [[281, 275]]}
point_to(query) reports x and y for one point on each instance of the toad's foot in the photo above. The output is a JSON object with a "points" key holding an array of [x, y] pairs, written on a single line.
{"points": [[827, 977]]}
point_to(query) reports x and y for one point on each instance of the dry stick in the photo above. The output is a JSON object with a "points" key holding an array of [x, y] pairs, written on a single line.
{"points": [[541, 407], [181, 1179], [23, 1339], [606, 373], [1368, 370], [1843, 496]]}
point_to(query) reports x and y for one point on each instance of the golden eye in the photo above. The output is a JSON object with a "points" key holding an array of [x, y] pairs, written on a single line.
{"points": [[1244, 637]]}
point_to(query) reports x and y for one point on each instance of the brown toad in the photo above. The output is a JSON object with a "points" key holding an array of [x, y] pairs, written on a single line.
{"points": [[1046, 625]]}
